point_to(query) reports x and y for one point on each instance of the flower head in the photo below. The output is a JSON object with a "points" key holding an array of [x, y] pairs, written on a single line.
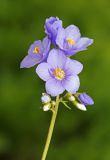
{"points": [[60, 73], [85, 99], [70, 41], [45, 98], [37, 53], [52, 25]]}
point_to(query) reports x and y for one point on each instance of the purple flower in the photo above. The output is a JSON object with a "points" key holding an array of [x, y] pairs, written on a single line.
{"points": [[70, 40], [60, 73], [52, 25], [37, 53], [85, 99]]}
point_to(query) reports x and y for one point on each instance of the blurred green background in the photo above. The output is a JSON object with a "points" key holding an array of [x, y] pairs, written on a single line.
{"points": [[23, 125]]}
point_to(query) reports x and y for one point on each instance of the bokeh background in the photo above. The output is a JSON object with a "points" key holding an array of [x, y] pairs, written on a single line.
{"points": [[23, 125]]}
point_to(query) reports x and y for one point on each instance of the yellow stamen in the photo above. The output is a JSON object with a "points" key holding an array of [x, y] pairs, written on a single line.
{"points": [[59, 73], [36, 50], [70, 41]]}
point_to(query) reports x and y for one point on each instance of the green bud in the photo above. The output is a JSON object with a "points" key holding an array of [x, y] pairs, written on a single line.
{"points": [[53, 103], [71, 98]]}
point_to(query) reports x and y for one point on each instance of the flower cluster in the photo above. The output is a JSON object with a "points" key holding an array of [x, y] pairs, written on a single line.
{"points": [[55, 66]]}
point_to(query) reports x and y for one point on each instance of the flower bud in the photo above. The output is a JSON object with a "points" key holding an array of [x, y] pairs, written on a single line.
{"points": [[81, 106], [45, 98], [85, 99], [53, 103], [71, 98], [46, 107]]}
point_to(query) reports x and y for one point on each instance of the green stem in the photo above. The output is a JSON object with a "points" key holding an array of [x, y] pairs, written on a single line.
{"points": [[52, 123]]}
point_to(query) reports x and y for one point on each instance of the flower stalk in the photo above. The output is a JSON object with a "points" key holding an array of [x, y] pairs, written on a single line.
{"points": [[50, 132]]}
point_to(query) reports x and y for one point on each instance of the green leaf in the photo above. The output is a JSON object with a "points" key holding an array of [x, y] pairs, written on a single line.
{"points": [[65, 104]]}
